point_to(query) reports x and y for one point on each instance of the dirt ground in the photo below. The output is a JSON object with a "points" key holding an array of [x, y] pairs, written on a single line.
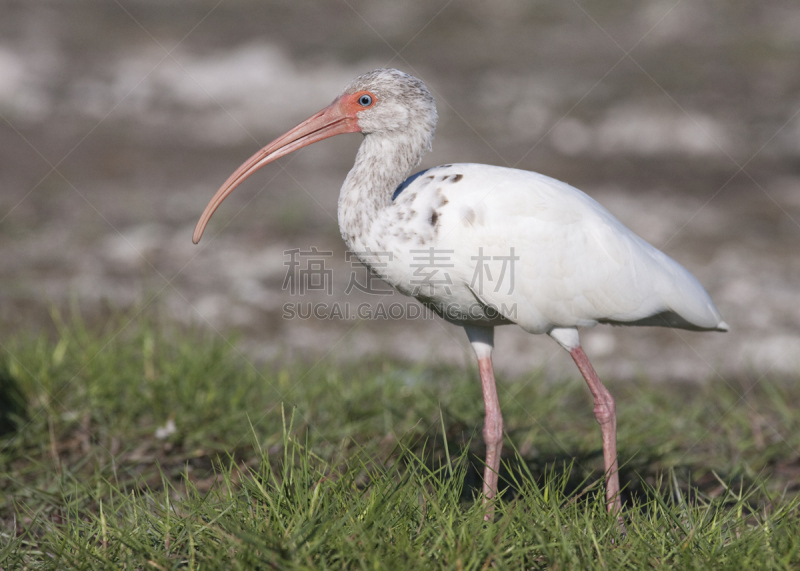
{"points": [[119, 120]]}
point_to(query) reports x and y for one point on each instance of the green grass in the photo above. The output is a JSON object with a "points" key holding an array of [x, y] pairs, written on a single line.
{"points": [[371, 466]]}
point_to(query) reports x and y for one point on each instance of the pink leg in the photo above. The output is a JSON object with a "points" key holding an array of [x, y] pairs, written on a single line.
{"points": [[606, 414], [482, 340], [492, 430]]}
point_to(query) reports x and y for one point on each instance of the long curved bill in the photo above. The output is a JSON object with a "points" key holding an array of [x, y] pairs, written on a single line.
{"points": [[333, 120]]}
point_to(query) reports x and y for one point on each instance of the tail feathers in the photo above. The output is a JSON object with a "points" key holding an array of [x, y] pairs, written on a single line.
{"points": [[668, 319]]}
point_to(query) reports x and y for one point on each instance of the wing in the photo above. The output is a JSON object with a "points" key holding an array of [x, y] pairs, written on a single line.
{"points": [[547, 255]]}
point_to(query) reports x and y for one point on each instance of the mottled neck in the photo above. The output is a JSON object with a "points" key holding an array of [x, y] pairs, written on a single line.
{"points": [[383, 162]]}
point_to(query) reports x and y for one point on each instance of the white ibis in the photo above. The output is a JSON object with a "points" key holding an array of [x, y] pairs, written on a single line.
{"points": [[484, 246]]}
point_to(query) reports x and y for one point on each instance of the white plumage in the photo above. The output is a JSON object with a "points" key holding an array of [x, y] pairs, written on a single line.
{"points": [[485, 245], [578, 265]]}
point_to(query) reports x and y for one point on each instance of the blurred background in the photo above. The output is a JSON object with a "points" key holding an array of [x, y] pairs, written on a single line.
{"points": [[120, 119]]}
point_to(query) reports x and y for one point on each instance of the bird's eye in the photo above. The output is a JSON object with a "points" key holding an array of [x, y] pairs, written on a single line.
{"points": [[365, 100]]}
